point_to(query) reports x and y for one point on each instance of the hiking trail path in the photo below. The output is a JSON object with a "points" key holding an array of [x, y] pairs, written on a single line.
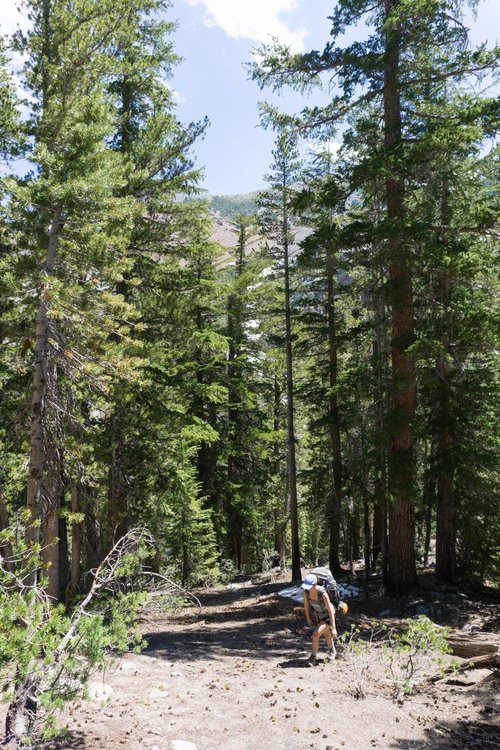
{"points": [[233, 676]]}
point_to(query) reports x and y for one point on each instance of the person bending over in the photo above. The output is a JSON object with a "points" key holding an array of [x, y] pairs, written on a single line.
{"points": [[320, 615]]}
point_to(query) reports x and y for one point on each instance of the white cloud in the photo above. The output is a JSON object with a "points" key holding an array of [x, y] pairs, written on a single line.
{"points": [[178, 97], [258, 20], [12, 17], [330, 148]]}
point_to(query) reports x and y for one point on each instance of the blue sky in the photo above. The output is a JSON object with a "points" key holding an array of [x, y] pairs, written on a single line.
{"points": [[215, 38]]}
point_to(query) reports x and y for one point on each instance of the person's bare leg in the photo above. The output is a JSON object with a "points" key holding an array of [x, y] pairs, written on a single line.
{"points": [[328, 635], [315, 640], [321, 630], [328, 638]]}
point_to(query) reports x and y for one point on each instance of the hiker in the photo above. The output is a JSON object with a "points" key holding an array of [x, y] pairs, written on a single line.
{"points": [[320, 614]]}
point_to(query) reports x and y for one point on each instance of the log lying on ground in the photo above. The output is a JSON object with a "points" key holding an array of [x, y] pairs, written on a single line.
{"points": [[487, 661], [481, 650], [470, 645]]}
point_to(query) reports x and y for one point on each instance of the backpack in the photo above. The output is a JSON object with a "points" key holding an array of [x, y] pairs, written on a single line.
{"points": [[326, 579]]}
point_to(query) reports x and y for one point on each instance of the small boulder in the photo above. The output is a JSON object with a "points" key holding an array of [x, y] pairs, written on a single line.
{"points": [[423, 610], [181, 745], [99, 691]]}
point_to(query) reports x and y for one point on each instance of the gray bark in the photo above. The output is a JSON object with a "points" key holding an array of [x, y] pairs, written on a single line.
{"points": [[401, 553], [334, 426], [42, 496], [291, 439]]}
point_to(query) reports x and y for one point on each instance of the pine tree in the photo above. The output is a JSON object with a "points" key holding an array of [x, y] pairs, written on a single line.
{"points": [[275, 203], [320, 269], [68, 218], [386, 70]]}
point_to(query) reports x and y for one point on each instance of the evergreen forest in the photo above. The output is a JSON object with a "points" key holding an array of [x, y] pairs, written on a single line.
{"points": [[323, 390]]}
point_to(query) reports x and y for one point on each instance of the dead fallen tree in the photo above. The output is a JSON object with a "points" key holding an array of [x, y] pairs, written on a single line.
{"points": [[471, 645], [480, 651], [487, 661], [50, 655]]}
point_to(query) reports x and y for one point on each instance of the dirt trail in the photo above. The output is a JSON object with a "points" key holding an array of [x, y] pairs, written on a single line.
{"points": [[235, 678]]}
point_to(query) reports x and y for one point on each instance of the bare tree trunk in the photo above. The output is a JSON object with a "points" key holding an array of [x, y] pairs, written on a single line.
{"points": [[291, 440], [401, 557], [378, 522], [355, 531], [63, 557], [367, 535], [43, 484], [93, 543], [76, 543], [379, 350], [429, 502], [235, 336], [280, 508], [445, 511], [334, 426], [6, 551], [21, 713], [186, 559], [117, 492], [53, 488]]}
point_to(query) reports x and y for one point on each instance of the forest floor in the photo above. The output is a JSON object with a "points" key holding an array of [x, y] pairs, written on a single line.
{"points": [[234, 676]]}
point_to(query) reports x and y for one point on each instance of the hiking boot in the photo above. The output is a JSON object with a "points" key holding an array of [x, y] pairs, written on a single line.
{"points": [[312, 661], [332, 654]]}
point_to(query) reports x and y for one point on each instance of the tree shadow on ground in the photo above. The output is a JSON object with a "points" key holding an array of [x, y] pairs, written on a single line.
{"points": [[265, 629], [451, 735], [449, 605], [463, 734], [294, 663], [68, 740], [261, 639]]}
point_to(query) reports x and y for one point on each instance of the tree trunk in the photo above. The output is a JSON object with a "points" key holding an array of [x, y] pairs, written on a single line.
{"points": [[291, 441], [52, 561], [21, 713], [363, 463], [118, 522], [445, 512], [6, 551], [280, 508], [63, 553], [43, 485], [379, 351], [235, 336], [76, 543], [93, 543], [333, 424], [401, 553], [355, 531], [429, 499], [378, 522]]}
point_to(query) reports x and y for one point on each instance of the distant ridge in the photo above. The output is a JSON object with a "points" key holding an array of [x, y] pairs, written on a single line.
{"points": [[230, 206]]}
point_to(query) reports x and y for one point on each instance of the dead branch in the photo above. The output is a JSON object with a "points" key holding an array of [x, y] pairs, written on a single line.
{"points": [[487, 661], [171, 584]]}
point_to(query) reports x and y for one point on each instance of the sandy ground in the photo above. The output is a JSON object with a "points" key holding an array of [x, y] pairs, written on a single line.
{"points": [[233, 676]]}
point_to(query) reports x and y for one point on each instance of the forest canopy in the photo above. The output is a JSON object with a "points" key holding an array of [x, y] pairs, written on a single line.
{"points": [[325, 389]]}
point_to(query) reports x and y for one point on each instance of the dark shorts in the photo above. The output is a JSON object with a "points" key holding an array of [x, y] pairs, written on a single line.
{"points": [[321, 620]]}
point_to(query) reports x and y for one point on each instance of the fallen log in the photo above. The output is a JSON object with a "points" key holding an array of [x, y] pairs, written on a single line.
{"points": [[470, 645], [487, 661]]}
